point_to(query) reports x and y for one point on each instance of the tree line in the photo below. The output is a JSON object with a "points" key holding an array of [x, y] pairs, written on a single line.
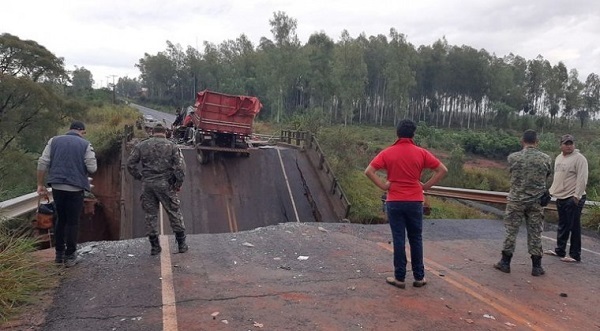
{"points": [[370, 80]]}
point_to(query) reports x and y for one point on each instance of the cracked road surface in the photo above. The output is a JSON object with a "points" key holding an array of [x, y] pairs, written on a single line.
{"points": [[274, 185], [254, 280]]}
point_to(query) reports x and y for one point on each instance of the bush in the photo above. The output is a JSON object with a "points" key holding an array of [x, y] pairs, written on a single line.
{"points": [[486, 179], [494, 145], [365, 198], [345, 149], [311, 120], [591, 218], [21, 274]]}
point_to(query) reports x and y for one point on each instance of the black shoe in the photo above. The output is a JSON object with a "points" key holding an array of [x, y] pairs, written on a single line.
{"points": [[537, 271], [502, 267], [155, 250], [182, 247], [155, 243], [504, 264], [536, 265]]}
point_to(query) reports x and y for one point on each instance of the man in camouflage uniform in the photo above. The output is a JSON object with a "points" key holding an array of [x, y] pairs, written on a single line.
{"points": [[162, 173], [529, 171]]}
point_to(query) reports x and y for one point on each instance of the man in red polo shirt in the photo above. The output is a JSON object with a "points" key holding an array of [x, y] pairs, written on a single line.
{"points": [[404, 163]]}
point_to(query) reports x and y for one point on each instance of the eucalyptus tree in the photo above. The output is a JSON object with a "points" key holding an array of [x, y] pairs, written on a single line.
{"points": [[239, 66], [536, 77], [433, 78], [516, 96], [501, 81], [376, 57], [591, 98], [82, 80], [350, 72], [319, 50], [400, 75], [181, 77], [284, 66], [555, 87], [158, 74], [128, 87], [194, 66], [573, 97], [468, 70]]}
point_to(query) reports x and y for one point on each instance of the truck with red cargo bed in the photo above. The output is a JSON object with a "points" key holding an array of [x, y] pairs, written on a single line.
{"points": [[221, 123]]}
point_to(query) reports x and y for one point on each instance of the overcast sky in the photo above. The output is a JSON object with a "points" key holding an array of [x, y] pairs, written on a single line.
{"points": [[108, 37]]}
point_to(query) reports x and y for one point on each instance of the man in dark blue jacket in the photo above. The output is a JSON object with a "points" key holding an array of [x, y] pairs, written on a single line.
{"points": [[67, 160]]}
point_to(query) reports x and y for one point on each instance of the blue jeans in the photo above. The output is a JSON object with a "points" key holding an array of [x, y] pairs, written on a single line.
{"points": [[406, 219]]}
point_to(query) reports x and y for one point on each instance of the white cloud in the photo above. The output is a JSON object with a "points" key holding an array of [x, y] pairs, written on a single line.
{"points": [[109, 37]]}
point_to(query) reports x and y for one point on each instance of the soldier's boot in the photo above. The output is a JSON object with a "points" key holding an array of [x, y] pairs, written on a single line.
{"points": [[504, 264], [155, 243], [536, 261], [181, 245]]}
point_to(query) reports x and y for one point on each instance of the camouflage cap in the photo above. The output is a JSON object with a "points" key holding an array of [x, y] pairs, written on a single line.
{"points": [[567, 137]]}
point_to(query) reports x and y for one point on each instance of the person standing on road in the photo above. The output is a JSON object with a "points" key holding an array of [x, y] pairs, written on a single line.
{"points": [[404, 163], [529, 172], [179, 113], [568, 187], [162, 173], [68, 160]]}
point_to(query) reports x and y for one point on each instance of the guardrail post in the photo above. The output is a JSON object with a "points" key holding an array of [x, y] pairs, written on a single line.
{"points": [[333, 185]]}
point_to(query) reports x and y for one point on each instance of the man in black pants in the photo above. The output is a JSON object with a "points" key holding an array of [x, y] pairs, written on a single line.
{"points": [[68, 160], [568, 187]]}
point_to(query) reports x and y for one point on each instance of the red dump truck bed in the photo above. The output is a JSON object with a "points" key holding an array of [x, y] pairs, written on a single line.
{"points": [[225, 113]]}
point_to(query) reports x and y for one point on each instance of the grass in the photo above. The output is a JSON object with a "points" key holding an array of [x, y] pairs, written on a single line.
{"points": [[442, 208], [591, 218], [22, 275]]}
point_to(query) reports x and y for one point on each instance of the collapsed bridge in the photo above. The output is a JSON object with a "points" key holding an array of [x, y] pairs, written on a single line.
{"points": [[286, 182]]}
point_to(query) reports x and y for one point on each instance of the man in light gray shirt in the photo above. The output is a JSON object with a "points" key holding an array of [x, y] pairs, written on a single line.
{"points": [[568, 187]]}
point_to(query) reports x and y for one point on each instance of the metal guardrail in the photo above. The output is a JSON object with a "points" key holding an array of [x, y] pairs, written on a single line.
{"points": [[309, 143], [484, 196], [20, 205]]}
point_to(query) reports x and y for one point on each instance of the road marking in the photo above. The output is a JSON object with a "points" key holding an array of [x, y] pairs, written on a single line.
{"points": [[517, 312], [161, 223], [288, 186], [169, 308]]}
